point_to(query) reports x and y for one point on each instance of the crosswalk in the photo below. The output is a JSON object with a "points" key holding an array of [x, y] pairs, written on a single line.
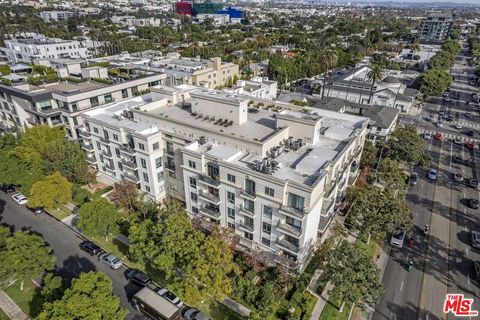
{"points": [[449, 136]]}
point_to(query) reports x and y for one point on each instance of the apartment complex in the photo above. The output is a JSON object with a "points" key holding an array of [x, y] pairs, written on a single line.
{"points": [[436, 28], [256, 87], [48, 16], [205, 73], [62, 103], [41, 47], [274, 177]]}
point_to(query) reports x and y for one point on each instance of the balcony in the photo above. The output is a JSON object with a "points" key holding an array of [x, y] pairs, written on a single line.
{"points": [[129, 163], [170, 167], [109, 167], [246, 227], [284, 244], [87, 146], [329, 189], [127, 150], [91, 159], [246, 211], [246, 243], [169, 152], [104, 140], [289, 229], [327, 207], [210, 197], [85, 134], [354, 168], [205, 179], [285, 261], [248, 194], [291, 211], [211, 213], [132, 177], [107, 154]]}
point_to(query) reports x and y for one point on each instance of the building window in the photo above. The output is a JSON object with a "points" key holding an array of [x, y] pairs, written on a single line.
{"points": [[134, 91], [267, 212], [124, 93], [147, 188], [231, 213], [115, 137], [45, 105], [192, 164], [250, 186], [248, 221], [156, 146], [265, 241], [144, 163], [193, 182], [194, 209], [269, 191], [248, 205], [230, 197], [230, 178], [231, 225], [94, 102], [141, 146], [158, 162], [194, 197], [293, 222], [95, 130], [248, 235], [99, 146], [117, 152], [173, 187], [108, 98], [267, 228], [120, 166], [296, 201]]}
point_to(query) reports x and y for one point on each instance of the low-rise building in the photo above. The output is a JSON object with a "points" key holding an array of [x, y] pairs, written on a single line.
{"points": [[256, 87], [274, 177], [48, 16]]}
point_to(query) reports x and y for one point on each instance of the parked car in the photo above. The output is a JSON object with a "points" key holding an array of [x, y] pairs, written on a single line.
{"points": [[470, 133], [413, 178], [90, 247], [428, 118], [398, 239], [473, 183], [440, 124], [438, 136], [457, 140], [138, 277], [458, 126], [20, 198], [475, 238], [468, 114], [470, 145], [7, 188], [427, 136], [432, 174], [37, 211], [193, 314], [110, 260], [473, 203], [170, 296], [450, 118], [441, 113], [458, 177], [476, 270]]}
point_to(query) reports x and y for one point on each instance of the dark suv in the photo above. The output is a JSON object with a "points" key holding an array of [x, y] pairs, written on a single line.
{"points": [[7, 188], [138, 277], [90, 247]]}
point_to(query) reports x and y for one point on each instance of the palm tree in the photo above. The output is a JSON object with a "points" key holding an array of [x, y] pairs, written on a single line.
{"points": [[415, 47], [328, 60], [375, 74]]}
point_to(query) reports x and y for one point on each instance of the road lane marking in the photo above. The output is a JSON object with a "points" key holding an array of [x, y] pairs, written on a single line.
{"points": [[466, 252], [468, 279], [401, 286]]}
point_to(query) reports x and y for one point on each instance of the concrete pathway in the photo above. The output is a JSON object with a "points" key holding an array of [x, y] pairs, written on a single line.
{"points": [[11, 309]]}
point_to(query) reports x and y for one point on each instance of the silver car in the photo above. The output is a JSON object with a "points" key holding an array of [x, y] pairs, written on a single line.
{"points": [[110, 260]]}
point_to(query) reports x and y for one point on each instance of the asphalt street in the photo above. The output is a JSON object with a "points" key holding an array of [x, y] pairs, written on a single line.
{"points": [[71, 261], [443, 260]]}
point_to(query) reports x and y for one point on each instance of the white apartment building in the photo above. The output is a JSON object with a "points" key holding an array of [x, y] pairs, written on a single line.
{"points": [[354, 86], [41, 47], [436, 28], [275, 178], [62, 103], [48, 16], [257, 87]]}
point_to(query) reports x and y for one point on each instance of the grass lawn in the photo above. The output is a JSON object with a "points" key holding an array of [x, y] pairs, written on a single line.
{"points": [[3, 316], [218, 311], [330, 312], [118, 249], [60, 213], [25, 298], [370, 249]]}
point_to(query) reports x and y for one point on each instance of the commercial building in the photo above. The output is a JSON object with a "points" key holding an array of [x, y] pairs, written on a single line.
{"points": [[206, 73], [41, 47], [436, 28], [62, 103], [48, 16], [274, 177], [355, 86], [257, 87]]}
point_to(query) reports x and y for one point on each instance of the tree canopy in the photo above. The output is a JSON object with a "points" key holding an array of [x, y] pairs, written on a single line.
{"points": [[405, 145], [50, 192], [98, 218]]}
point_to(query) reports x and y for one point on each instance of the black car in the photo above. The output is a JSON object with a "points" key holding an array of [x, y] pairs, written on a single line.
{"points": [[413, 179], [473, 203], [90, 247], [7, 188], [138, 277], [470, 133]]}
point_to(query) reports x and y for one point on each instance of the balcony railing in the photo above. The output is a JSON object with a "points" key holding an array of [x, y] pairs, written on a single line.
{"points": [[284, 244], [85, 134], [105, 140], [88, 147], [107, 153], [210, 197], [129, 163], [209, 181], [248, 194], [288, 228], [291, 211], [211, 213], [109, 167], [247, 212], [285, 261], [91, 159], [170, 166], [132, 177], [127, 150], [327, 206], [246, 226]]}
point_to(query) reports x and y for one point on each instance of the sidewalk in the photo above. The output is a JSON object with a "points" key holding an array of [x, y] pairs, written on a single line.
{"points": [[11, 309]]}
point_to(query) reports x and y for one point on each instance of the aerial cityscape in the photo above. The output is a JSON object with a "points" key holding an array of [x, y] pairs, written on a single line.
{"points": [[239, 160]]}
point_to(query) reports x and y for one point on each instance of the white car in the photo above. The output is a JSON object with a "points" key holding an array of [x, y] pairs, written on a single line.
{"points": [[194, 314], [427, 136], [110, 260], [440, 124], [19, 198], [432, 174], [170, 296], [458, 126]]}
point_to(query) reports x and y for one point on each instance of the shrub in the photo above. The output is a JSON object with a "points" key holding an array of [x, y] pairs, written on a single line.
{"points": [[105, 81], [5, 69], [6, 81], [80, 195]]}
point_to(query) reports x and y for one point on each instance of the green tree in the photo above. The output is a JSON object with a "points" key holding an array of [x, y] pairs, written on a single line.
{"points": [[125, 194], [354, 275], [369, 155], [434, 82], [405, 145], [4, 234], [89, 297], [52, 288], [98, 218], [50, 192], [26, 257], [5, 69], [374, 74], [328, 59], [391, 175]]}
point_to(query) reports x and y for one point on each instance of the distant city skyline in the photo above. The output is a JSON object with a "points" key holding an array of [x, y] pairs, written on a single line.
{"points": [[414, 1]]}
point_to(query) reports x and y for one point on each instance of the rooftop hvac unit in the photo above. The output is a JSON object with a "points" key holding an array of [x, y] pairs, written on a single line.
{"points": [[202, 140], [259, 166]]}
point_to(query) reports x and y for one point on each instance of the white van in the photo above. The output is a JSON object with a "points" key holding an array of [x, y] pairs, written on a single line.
{"points": [[398, 239]]}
